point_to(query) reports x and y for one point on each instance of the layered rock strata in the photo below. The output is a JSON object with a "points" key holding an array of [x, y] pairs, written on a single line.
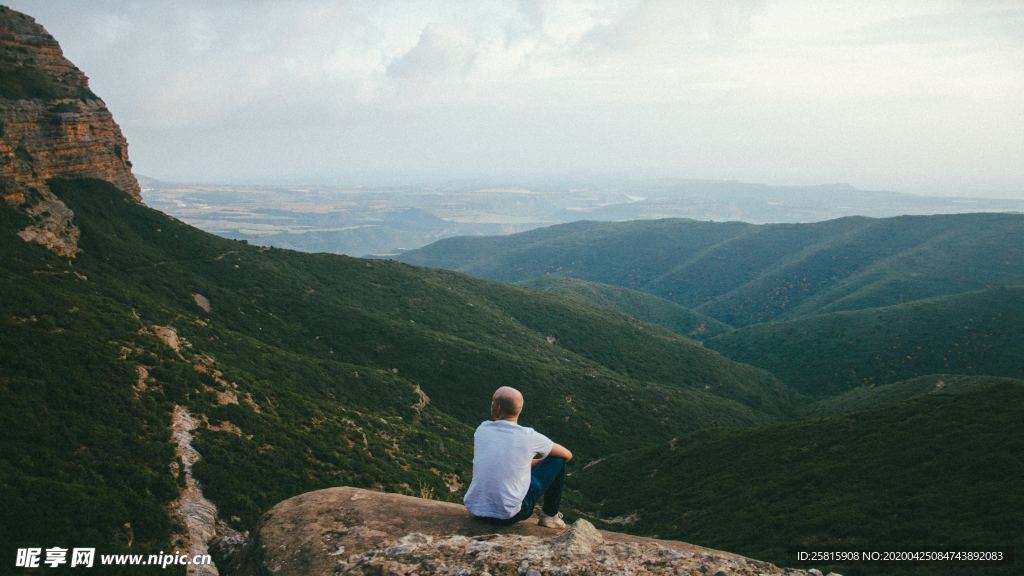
{"points": [[51, 126]]}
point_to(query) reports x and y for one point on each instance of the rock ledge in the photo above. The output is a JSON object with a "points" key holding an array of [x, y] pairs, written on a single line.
{"points": [[355, 531]]}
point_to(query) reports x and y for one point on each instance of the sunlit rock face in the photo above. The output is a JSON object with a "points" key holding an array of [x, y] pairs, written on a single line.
{"points": [[51, 126]]}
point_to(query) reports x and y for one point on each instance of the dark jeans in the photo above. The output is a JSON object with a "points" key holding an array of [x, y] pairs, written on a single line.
{"points": [[548, 479]]}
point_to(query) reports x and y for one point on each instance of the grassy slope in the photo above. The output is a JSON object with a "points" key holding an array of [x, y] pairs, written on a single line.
{"points": [[329, 348], [640, 305], [865, 398], [933, 471], [972, 333], [743, 274]]}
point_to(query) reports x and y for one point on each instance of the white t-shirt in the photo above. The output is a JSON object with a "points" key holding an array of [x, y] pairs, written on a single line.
{"points": [[502, 452]]}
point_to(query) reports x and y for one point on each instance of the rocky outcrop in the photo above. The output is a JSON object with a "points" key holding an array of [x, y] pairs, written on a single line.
{"points": [[354, 531], [192, 510], [51, 126]]}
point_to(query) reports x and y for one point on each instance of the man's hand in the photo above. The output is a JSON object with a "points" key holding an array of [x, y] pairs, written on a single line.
{"points": [[535, 461]]}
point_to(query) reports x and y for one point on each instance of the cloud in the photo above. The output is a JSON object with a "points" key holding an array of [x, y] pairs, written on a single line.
{"points": [[669, 27], [905, 95], [441, 52]]}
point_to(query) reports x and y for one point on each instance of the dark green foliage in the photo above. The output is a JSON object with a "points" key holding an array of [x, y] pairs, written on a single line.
{"points": [[868, 398], [640, 305], [935, 471], [82, 462], [972, 333], [743, 274], [323, 355], [25, 83]]}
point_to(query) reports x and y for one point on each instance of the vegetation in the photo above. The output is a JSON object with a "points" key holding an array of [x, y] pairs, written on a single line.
{"points": [[640, 305], [743, 274], [306, 369], [24, 83], [898, 433], [865, 398], [934, 471], [971, 333], [27, 83]]}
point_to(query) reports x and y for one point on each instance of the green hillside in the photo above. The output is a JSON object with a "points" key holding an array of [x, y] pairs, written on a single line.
{"points": [[971, 333], [865, 398], [307, 370], [936, 471], [639, 305], [744, 274]]}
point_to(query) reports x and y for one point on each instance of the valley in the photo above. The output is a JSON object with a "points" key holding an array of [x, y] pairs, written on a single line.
{"points": [[385, 221], [897, 339], [759, 369]]}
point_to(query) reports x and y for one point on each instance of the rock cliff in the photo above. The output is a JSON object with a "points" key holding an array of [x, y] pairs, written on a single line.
{"points": [[354, 531], [51, 126]]}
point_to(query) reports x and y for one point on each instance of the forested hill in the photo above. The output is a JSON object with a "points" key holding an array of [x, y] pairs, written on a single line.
{"points": [[743, 273], [929, 464], [971, 333], [639, 305]]}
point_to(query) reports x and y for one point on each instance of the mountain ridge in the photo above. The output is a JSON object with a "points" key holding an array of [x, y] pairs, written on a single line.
{"points": [[744, 274]]}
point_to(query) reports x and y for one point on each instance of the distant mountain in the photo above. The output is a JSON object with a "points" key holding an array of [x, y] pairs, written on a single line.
{"points": [[360, 221], [971, 333], [761, 203], [335, 219], [928, 472], [639, 305], [743, 274]]}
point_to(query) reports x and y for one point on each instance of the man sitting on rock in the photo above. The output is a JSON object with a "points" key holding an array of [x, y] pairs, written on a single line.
{"points": [[504, 488]]}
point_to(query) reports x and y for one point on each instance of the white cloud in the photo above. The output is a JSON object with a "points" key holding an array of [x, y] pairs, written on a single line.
{"points": [[920, 96], [442, 52]]}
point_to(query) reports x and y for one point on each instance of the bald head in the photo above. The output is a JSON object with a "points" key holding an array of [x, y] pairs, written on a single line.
{"points": [[507, 402]]}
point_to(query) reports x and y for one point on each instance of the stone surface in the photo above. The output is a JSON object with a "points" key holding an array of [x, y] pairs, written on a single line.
{"points": [[354, 531], [51, 125]]}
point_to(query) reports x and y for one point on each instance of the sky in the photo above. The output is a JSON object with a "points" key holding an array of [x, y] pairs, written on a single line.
{"points": [[919, 97]]}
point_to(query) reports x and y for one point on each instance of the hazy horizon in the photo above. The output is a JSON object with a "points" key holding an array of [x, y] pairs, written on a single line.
{"points": [[913, 97]]}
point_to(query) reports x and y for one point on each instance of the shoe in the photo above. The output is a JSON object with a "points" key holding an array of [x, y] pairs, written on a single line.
{"points": [[551, 521]]}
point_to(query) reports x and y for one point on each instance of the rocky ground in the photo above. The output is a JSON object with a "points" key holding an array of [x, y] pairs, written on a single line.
{"points": [[354, 531]]}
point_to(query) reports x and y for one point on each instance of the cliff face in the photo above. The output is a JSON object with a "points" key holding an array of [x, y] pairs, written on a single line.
{"points": [[354, 531], [51, 126]]}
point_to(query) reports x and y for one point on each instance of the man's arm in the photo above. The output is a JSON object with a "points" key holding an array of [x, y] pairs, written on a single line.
{"points": [[558, 451]]}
